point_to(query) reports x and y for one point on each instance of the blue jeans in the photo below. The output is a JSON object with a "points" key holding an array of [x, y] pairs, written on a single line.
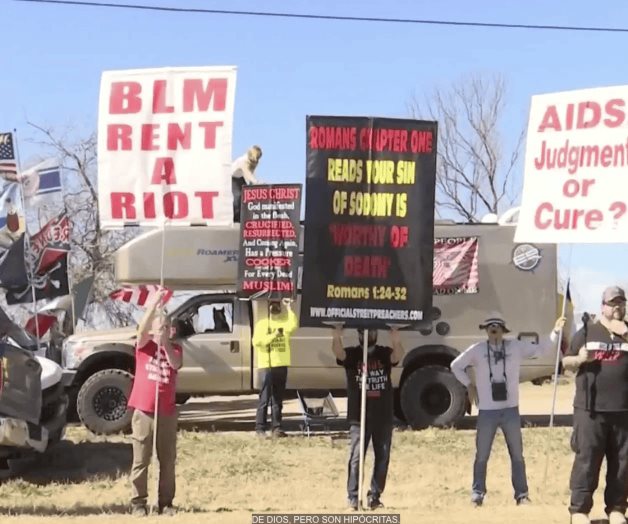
{"points": [[510, 423], [380, 433], [271, 394]]}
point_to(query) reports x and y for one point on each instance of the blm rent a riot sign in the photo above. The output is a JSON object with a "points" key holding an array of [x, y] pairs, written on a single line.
{"points": [[369, 221], [164, 146]]}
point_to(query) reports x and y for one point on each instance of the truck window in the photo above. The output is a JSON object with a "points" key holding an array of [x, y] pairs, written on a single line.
{"points": [[213, 318]]}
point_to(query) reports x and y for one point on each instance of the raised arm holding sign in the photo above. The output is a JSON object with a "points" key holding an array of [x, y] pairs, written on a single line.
{"points": [[164, 151], [574, 192], [368, 258]]}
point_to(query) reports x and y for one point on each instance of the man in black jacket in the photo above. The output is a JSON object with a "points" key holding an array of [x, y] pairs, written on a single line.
{"points": [[600, 423]]}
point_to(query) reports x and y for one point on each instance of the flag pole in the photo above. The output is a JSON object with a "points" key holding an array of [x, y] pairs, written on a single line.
{"points": [[365, 354], [70, 279], [558, 353], [27, 243], [566, 293], [156, 416]]}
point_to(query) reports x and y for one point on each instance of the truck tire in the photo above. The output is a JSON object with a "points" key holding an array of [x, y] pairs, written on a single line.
{"points": [[102, 400], [432, 396]]}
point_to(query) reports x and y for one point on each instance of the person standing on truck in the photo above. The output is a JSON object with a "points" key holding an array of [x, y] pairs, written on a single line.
{"points": [[379, 406], [243, 173], [600, 417], [271, 339], [497, 364], [157, 359]]}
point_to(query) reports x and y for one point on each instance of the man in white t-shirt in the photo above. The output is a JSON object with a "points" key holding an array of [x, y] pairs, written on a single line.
{"points": [[496, 364], [243, 173]]}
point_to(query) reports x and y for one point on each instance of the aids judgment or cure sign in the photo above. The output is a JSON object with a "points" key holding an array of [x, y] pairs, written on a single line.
{"points": [[576, 168], [164, 146], [369, 221]]}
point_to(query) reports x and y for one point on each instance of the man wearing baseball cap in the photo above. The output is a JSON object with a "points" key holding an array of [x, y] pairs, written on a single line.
{"points": [[496, 363], [599, 352]]}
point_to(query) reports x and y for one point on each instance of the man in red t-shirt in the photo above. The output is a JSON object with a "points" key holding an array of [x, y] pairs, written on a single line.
{"points": [[157, 360]]}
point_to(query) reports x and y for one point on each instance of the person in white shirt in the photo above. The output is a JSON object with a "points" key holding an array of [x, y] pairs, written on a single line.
{"points": [[496, 364], [243, 172]]}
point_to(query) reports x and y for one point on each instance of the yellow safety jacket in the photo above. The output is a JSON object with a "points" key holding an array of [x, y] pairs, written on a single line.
{"points": [[273, 348]]}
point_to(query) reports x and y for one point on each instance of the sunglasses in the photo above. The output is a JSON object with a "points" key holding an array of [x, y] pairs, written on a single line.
{"points": [[616, 303]]}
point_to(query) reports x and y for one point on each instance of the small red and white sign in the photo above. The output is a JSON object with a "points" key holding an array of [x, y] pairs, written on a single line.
{"points": [[164, 146], [576, 168]]}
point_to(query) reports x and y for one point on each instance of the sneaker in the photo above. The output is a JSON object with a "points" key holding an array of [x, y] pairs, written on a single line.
{"points": [[138, 510], [523, 501], [580, 518], [374, 502], [616, 517], [167, 511], [278, 433], [260, 433], [477, 500], [353, 503]]}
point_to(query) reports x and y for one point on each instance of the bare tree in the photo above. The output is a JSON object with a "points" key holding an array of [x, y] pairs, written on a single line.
{"points": [[92, 247], [474, 171]]}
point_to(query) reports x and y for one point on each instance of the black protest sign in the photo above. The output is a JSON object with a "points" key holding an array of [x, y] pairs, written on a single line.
{"points": [[269, 241], [369, 221]]}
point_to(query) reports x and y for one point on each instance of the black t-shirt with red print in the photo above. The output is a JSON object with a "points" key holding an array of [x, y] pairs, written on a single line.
{"points": [[379, 390], [601, 385]]}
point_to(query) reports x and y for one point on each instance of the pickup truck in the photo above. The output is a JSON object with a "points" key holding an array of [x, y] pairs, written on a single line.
{"points": [[33, 401], [218, 357]]}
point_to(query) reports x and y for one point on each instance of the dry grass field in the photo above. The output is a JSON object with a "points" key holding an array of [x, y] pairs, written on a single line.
{"points": [[223, 477]]}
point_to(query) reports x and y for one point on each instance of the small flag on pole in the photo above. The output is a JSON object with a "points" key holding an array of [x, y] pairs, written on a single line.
{"points": [[8, 165], [42, 321], [51, 284], [49, 181], [139, 295], [570, 325], [41, 179], [51, 243]]}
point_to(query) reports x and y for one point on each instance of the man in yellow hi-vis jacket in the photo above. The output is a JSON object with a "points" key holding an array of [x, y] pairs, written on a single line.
{"points": [[271, 339]]}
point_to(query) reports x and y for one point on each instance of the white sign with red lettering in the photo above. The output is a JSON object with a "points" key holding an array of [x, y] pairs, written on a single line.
{"points": [[576, 168], [164, 146]]}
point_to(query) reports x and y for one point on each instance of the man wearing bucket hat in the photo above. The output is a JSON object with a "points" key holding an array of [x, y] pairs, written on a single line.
{"points": [[600, 420], [496, 364]]}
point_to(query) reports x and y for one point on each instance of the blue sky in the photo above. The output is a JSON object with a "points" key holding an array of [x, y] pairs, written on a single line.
{"points": [[53, 57]]}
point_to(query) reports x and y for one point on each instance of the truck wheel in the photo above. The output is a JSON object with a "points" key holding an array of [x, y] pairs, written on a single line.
{"points": [[432, 396], [102, 402]]}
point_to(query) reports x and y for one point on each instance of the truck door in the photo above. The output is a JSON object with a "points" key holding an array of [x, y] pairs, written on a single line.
{"points": [[212, 350]]}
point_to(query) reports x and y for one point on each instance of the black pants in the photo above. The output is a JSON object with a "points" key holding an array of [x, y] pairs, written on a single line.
{"points": [[381, 435], [596, 435], [236, 189], [273, 389]]}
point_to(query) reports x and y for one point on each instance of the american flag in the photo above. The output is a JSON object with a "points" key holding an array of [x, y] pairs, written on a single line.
{"points": [[139, 295], [7, 155], [455, 265]]}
